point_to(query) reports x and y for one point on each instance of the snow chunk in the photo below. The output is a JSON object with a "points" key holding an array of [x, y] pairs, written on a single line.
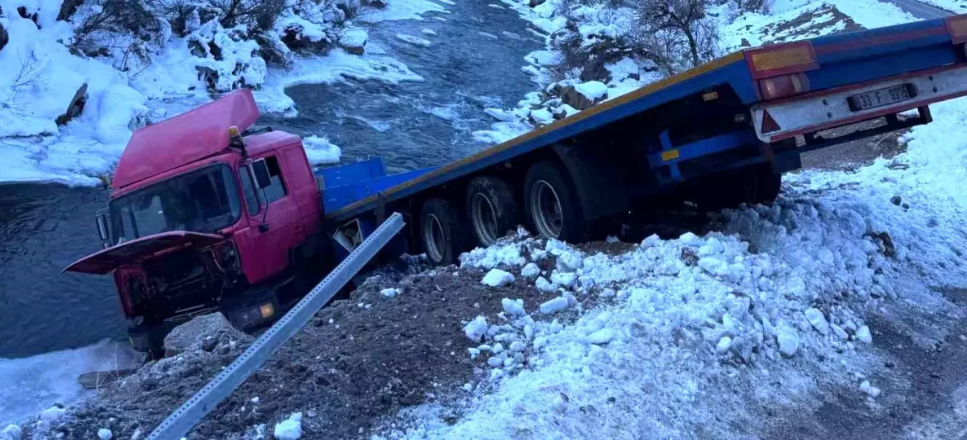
{"points": [[105, 434], [428, 32], [497, 277], [723, 345], [476, 329], [560, 403], [592, 90], [788, 340], [11, 432], [554, 305], [542, 116], [530, 271], [290, 428], [320, 151], [601, 337], [53, 414], [390, 292], [513, 308], [816, 318], [870, 390], [563, 279], [544, 286], [863, 334], [413, 40]]}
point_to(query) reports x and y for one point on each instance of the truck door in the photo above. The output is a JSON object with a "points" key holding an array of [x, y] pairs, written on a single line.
{"points": [[275, 224]]}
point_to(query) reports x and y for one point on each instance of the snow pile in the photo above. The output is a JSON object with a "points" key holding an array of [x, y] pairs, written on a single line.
{"points": [[289, 429], [320, 151]]}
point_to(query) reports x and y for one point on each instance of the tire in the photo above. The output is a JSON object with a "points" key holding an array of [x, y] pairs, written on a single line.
{"points": [[492, 209], [442, 232], [552, 205], [149, 339]]}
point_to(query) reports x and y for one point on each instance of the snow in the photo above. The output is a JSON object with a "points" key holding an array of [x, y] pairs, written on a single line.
{"points": [[554, 305], [817, 320], [542, 116], [289, 429], [320, 151], [592, 90], [32, 385], [11, 432], [497, 277], [863, 335], [476, 329], [390, 292], [869, 389], [355, 37], [513, 308], [53, 414], [602, 336], [401, 10], [414, 40], [530, 271], [105, 434], [430, 32]]}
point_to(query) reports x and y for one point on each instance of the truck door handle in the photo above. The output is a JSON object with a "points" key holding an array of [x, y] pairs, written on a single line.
{"points": [[263, 228]]}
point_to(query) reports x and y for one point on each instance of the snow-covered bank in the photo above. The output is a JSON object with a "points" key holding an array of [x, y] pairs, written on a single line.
{"points": [[71, 93], [30, 385]]}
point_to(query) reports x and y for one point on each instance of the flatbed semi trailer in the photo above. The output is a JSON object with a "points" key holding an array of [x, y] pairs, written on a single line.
{"points": [[208, 215]]}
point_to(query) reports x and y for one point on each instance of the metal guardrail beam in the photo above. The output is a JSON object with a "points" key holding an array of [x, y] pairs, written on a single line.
{"points": [[182, 420]]}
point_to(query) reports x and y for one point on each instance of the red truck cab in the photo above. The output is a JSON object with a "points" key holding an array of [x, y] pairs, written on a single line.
{"points": [[201, 219]]}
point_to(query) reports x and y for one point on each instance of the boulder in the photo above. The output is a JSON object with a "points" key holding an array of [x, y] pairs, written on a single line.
{"points": [[354, 41], [4, 37], [75, 107], [203, 333], [68, 8], [573, 97], [295, 39], [536, 3]]}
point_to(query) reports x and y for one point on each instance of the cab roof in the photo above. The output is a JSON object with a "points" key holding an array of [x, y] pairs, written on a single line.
{"points": [[185, 138]]}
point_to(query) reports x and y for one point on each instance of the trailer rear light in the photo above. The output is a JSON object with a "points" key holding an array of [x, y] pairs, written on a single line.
{"points": [[783, 86], [781, 59], [957, 27]]}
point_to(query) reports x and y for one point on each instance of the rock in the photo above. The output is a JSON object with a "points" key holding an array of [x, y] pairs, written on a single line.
{"points": [[530, 271], [788, 340], [570, 96], [560, 403], [896, 200], [544, 286], [476, 329], [513, 308], [208, 344], [863, 334], [290, 428], [67, 9], [4, 37], [354, 41], [497, 278], [11, 432], [870, 390], [536, 3], [379, 4], [105, 434], [840, 332], [75, 107], [192, 336], [817, 320]]}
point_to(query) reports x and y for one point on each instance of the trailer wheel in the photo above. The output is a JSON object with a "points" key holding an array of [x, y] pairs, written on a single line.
{"points": [[492, 209], [441, 231], [552, 204]]}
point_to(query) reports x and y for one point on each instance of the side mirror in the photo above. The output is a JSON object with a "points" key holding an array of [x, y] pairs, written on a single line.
{"points": [[100, 220], [261, 171]]}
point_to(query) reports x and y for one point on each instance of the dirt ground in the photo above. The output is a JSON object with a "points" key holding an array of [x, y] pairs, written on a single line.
{"points": [[358, 362]]}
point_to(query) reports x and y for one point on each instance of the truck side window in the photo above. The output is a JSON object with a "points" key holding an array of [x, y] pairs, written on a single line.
{"points": [[248, 189], [275, 191]]}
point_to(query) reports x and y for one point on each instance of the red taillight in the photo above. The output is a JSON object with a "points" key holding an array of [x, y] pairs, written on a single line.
{"points": [[781, 59], [783, 86], [957, 27]]}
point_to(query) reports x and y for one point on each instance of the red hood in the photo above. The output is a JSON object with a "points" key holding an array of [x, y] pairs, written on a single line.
{"points": [[105, 261]]}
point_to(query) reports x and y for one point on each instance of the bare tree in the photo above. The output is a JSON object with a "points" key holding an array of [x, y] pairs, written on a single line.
{"points": [[674, 23]]}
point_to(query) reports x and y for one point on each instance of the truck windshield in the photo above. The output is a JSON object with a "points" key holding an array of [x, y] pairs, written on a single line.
{"points": [[203, 201]]}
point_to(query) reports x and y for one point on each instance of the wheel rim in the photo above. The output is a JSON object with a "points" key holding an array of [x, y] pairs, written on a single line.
{"points": [[546, 209], [435, 241], [484, 219]]}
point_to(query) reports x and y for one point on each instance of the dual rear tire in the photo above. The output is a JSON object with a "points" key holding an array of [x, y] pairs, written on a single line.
{"points": [[491, 206]]}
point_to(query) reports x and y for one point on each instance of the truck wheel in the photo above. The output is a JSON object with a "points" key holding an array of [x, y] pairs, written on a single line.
{"points": [[442, 231], [767, 185], [552, 204], [492, 209]]}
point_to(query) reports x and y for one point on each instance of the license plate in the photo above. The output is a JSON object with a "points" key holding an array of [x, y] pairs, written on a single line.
{"points": [[882, 97]]}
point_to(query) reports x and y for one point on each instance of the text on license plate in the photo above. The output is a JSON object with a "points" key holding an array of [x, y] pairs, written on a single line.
{"points": [[882, 97]]}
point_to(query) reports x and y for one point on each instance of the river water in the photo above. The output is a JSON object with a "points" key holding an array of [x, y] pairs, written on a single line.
{"points": [[473, 62]]}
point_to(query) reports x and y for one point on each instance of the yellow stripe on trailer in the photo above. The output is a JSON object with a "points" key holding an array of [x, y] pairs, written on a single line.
{"points": [[669, 155]]}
